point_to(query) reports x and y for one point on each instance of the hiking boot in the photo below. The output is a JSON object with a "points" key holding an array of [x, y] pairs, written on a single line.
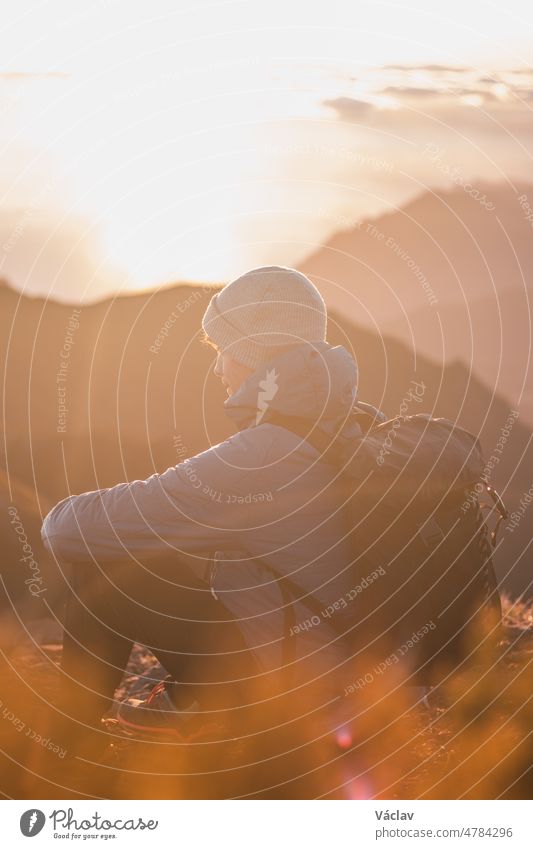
{"points": [[158, 715]]}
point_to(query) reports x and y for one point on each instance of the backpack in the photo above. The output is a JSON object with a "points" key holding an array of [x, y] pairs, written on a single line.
{"points": [[416, 520]]}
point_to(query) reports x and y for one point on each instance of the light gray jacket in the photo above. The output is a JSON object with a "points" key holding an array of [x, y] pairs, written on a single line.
{"points": [[260, 503]]}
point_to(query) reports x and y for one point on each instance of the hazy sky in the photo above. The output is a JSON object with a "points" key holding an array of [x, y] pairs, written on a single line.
{"points": [[141, 143]]}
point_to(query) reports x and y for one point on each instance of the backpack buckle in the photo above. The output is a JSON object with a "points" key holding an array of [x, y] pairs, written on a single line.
{"points": [[502, 510]]}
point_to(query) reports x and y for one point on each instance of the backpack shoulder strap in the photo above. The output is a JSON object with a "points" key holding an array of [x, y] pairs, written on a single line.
{"points": [[303, 428], [310, 432]]}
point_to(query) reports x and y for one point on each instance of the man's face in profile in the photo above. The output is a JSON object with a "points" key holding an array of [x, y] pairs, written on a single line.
{"points": [[231, 372]]}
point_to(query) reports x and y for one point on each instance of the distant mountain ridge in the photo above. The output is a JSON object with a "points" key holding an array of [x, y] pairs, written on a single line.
{"points": [[448, 277]]}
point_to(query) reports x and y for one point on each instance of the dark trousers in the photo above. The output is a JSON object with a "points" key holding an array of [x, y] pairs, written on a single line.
{"points": [[162, 605]]}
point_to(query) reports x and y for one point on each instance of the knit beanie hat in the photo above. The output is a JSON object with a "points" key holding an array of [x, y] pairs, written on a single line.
{"points": [[264, 312]]}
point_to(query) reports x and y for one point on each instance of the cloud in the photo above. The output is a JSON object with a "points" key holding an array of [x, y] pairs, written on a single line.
{"points": [[411, 92], [436, 94], [441, 91], [445, 69], [349, 108]]}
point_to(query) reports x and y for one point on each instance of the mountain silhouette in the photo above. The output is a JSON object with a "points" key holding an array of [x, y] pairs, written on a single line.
{"points": [[446, 275]]}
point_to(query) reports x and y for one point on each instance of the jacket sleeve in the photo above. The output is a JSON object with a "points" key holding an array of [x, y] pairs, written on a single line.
{"points": [[194, 507]]}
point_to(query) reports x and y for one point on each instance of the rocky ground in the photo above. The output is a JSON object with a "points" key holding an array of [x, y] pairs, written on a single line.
{"points": [[473, 741]]}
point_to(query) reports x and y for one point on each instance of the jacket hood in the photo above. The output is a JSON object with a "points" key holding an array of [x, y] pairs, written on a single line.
{"points": [[313, 380]]}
